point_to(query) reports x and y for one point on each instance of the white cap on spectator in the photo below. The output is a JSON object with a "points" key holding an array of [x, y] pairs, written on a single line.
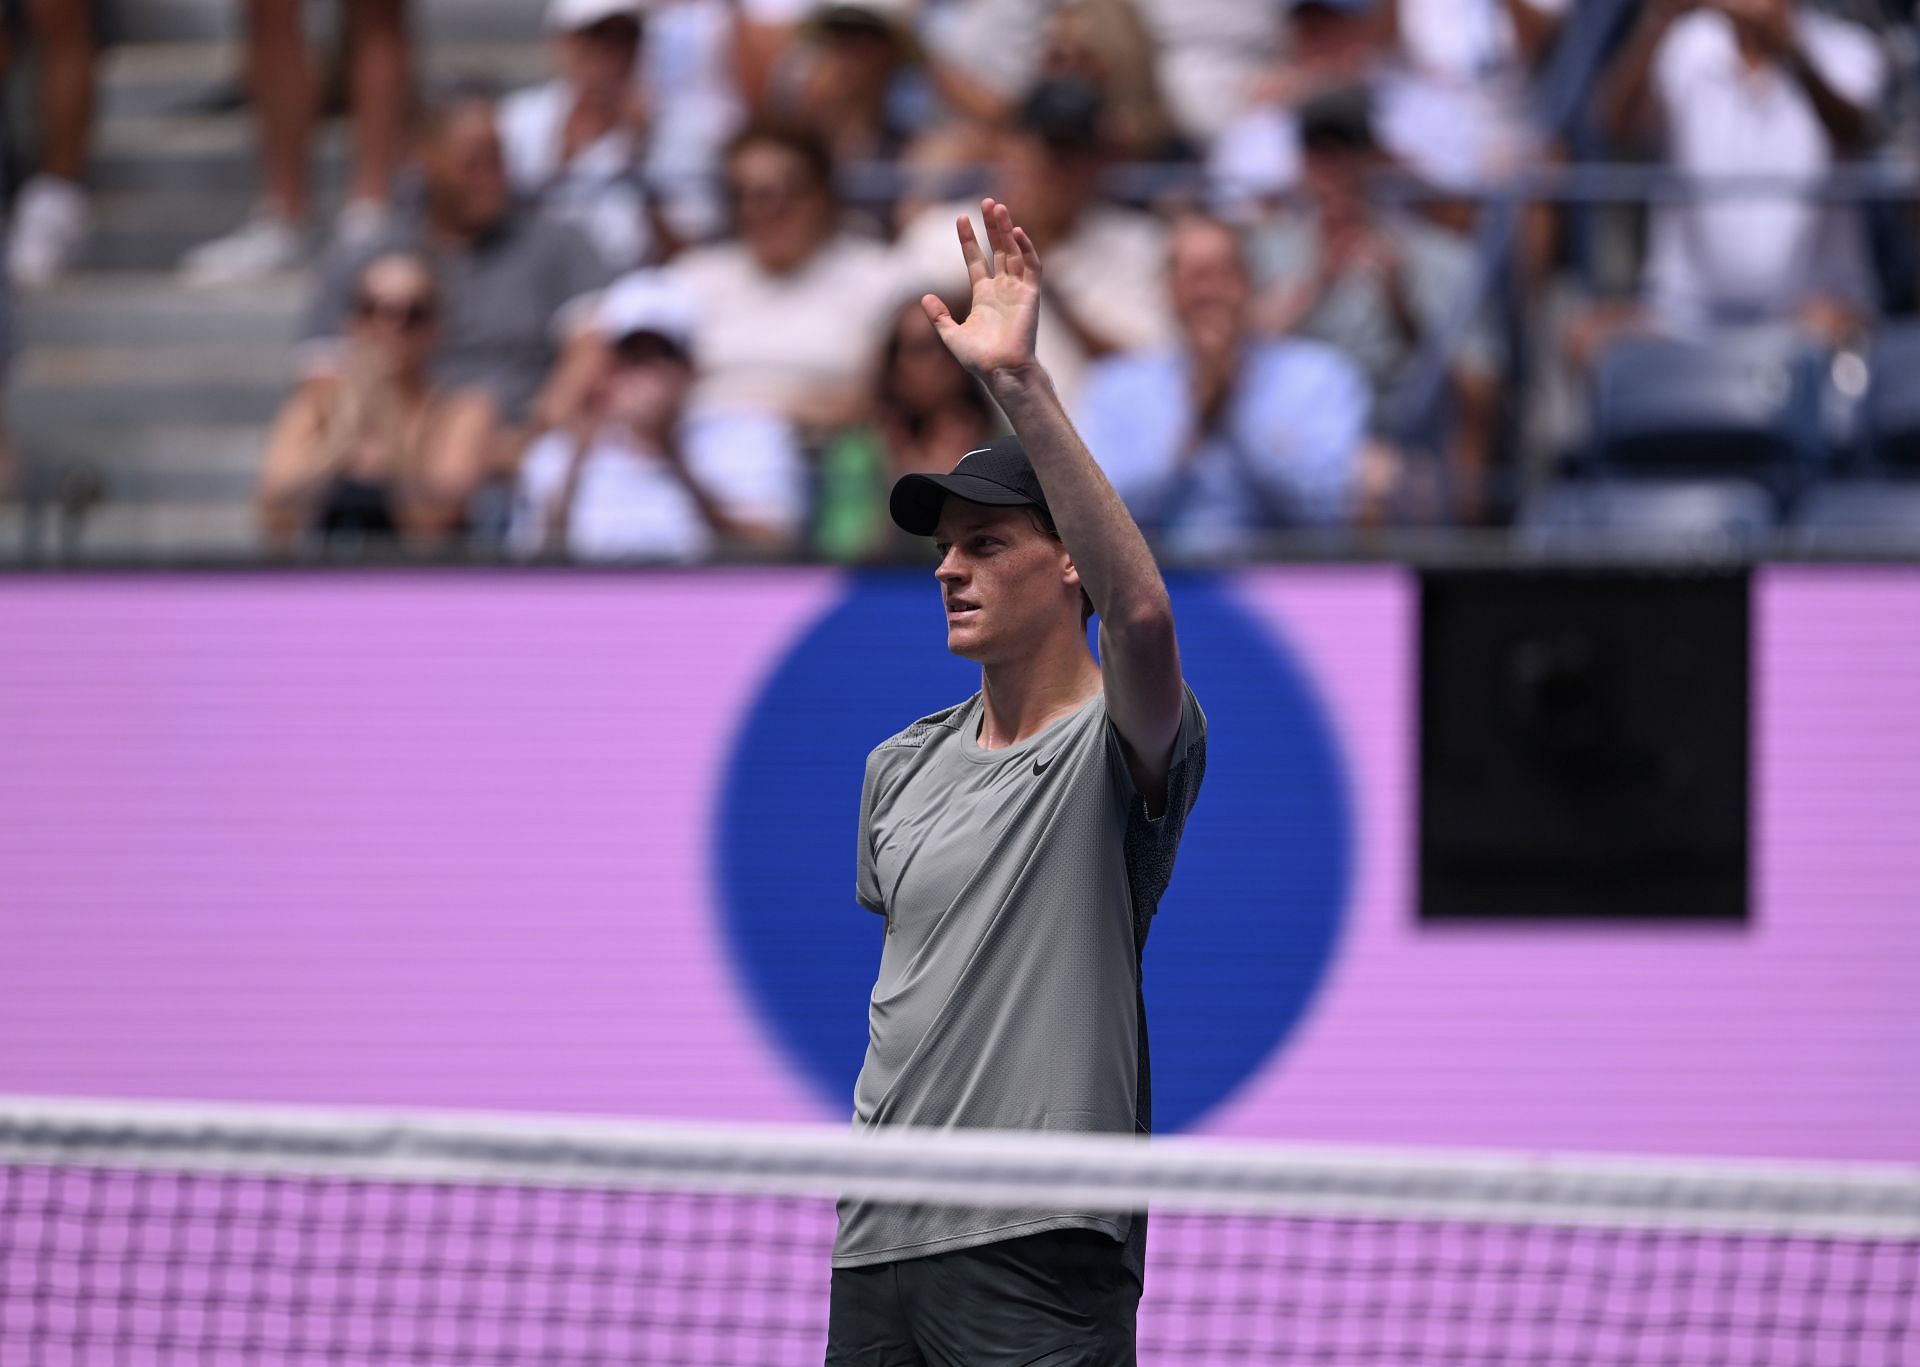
{"points": [[570, 16], [647, 301]]}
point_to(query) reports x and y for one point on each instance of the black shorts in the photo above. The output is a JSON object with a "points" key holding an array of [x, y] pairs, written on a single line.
{"points": [[1060, 1299]]}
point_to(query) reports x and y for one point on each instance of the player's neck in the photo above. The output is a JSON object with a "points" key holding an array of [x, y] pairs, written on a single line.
{"points": [[1020, 697]]}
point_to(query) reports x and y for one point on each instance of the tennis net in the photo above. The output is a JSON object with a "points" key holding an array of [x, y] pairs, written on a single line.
{"points": [[139, 1234]]}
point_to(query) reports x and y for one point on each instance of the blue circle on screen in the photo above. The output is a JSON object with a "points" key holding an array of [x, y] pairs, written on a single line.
{"points": [[1242, 937]]}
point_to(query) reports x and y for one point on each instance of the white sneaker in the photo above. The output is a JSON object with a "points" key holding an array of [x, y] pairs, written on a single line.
{"points": [[264, 245], [50, 223]]}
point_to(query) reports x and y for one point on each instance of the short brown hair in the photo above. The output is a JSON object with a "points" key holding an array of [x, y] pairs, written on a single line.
{"points": [[803, 144], [1043, 521]]}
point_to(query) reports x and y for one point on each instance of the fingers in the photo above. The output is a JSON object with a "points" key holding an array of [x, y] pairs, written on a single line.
{"points": [[977, 268], [993, 214], [937, 313], [1006, 257], [1029, 254], [1013, 250]]}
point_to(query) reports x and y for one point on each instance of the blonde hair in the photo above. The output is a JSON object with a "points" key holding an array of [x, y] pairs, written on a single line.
{"points": [[1137, 122]]}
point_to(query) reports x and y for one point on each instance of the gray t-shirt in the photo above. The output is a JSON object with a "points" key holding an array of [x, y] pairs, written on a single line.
{"points": [[1018, 885], [1356, 314]]}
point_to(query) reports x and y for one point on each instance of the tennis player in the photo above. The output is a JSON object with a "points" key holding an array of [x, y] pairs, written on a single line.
{"points": [[1017, 845]]}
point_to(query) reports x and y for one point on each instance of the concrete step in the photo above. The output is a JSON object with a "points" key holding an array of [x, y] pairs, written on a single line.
{"points": [[149, 21], [196, 153], [182, 462], [154, 310], [152, 529], [143, 80], [56, 387], [150, 230]]}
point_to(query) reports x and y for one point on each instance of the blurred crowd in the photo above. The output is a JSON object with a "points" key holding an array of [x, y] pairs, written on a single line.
{"points": [[664, 304]]}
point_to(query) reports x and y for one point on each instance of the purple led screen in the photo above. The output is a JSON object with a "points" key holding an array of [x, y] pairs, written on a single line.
{"points": [[444, 839]]}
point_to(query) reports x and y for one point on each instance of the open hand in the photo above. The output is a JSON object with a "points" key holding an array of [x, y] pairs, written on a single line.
{"points": [[998, 336]]}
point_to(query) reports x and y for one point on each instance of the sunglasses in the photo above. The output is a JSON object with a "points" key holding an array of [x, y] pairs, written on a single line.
{"points": [[409, 315]]}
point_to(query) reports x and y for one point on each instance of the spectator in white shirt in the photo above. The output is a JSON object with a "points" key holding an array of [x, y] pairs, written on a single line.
{"points": [[636, 475], [1751, 88], [693, 106], [1442, 76], [576, 144], [759, 296], [1475, 40]]}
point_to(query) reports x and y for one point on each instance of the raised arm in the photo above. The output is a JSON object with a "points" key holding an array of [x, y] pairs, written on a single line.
{"points": [[1770, 25], [1139, 657], [1628, 104]]}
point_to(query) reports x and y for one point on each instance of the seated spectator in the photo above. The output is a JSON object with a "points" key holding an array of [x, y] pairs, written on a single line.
{"points": [[282, 80], [1453, 128], [576, 144], [790, 312], [927, 413], [1475, 42], [1226, 434], [51, 215], [378, 450], [1751, 88], [1206, 53], [502, 276], [1106, 44], [854, 79], [1103, 261], [1374, 282], [638, 475]]}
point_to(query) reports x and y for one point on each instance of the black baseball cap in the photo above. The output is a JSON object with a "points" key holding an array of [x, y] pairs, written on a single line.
{"points": [[998, 474]]}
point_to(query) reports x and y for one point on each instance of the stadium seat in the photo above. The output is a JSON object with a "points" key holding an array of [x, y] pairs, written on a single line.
{"points": [[1892, 417], [1860, 514], [1625, 512], [1746, 406]]}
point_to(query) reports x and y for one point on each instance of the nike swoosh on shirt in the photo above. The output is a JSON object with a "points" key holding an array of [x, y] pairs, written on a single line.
{"points": [[1040, 765]]}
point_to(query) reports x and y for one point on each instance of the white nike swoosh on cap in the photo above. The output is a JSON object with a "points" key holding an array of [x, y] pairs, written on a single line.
{"points": [[981, 452]]}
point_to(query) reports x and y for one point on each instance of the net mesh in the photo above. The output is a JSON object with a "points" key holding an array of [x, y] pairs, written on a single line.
{"points": [[135, 1235]]}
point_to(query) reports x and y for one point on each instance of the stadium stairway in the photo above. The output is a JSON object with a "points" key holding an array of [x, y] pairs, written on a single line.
{"points": [[139, 400]]}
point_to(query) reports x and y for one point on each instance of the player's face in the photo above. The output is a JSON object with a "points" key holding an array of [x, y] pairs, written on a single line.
{"points": [[1005, 584]]}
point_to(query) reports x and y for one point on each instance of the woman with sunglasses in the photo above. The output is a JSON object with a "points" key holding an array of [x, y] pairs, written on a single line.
{"points": [[376, 451]]}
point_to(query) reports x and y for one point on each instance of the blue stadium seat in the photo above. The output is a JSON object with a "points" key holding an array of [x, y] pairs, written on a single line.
{"points": [[1861, 513], [1666, 511], [1745, 406], [1892, 417]]}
